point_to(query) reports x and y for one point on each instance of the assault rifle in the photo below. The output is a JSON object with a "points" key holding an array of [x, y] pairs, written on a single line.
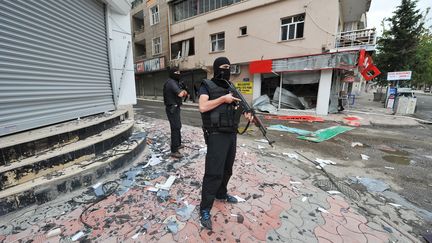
{"points": [[246, 107]]}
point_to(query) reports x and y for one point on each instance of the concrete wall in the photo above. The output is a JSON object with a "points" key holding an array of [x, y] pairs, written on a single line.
{"points": [[156, 30], [262, 19]]}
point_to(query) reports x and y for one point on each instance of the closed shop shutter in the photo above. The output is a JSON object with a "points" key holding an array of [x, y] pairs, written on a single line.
{"points": [[53, 62]]}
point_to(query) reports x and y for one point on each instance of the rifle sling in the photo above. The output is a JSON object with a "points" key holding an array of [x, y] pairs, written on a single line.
{"points": [[247, 126]]}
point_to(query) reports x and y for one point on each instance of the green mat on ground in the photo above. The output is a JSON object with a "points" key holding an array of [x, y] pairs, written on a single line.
{"points": [[325, 134], [283, 128]]}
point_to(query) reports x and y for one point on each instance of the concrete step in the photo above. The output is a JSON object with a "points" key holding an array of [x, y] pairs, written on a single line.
{"points": [[61, 157], [79, 173], [19, 146]]}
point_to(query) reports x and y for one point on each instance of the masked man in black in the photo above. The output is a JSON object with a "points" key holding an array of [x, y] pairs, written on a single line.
{"points": [[173, 94], [220, 116]]}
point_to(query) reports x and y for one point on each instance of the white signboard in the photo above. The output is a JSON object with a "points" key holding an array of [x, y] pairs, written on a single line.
{"points": [[406, 75]]}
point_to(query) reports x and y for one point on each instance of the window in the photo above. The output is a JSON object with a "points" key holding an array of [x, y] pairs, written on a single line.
{"points": [[217, 42], [189, 8], [157, 45], [243, 31], [292, 27], [154, 15], [183, 48]]}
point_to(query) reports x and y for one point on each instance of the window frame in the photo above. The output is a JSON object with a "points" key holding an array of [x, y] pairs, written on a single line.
{"points": [[154, 15], [293, 24], [154, 46], [217, 40], [241, 31]]}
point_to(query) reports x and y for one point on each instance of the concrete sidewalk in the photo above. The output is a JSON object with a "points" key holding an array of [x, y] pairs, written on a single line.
{"points": [[278, 206]]}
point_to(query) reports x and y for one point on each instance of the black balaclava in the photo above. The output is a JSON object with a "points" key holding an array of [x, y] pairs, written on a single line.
{"points": [[173, 75], [219, 73]]}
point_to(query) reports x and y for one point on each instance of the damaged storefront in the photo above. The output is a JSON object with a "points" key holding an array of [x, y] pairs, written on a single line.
{"points": [[310, 83]]}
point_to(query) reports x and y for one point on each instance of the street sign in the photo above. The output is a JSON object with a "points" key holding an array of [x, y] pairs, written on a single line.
{"points": [[406, 75]]}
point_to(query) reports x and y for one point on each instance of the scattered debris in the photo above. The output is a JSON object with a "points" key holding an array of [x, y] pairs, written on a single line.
{"points": [[291, 156], [372, 185], [304, 199], [260, 147], [77, 236], [386, 148], [355, 144], [54, 232], [162, 195], [152, 189], [172, 227], [325, 134], [154, 160], [388, 229], [263, 104], [333, 192], [295, 182], [395, 205], [185, 213], [260, 170], [324, 162], [135, 236], [283, 128], [322, 210], [287, 99], [203, 150], [352, 121], [167, 184], [261, 140], [364, 157], [239, 199], [294, 118], [98, 189], [389, 168]]}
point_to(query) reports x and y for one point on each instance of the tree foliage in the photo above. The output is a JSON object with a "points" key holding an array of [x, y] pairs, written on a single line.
{"points": [[397, 49], [423, 65]]}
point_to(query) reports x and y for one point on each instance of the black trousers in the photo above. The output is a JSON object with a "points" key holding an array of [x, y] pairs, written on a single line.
{"points": [[221, 151], [173, 114]]}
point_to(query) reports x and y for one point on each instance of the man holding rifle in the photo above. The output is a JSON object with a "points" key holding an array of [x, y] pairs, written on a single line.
{"points": [[220, 115], [173, 94]]}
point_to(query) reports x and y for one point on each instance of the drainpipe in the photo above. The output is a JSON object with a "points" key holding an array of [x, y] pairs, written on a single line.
{"points": [[169, 34]]}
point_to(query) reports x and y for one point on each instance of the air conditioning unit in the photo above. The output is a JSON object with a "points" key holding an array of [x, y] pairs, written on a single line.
{"points": [[235, 69]]}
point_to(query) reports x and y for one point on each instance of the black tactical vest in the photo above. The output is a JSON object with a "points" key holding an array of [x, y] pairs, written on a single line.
{"points": [[224, 118]]}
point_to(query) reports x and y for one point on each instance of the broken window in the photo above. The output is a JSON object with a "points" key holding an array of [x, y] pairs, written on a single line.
{"points": [[154, 15], [299, 89], [183, 48]]}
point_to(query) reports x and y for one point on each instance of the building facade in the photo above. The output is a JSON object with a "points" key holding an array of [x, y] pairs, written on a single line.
{"points": [[281, 34]]}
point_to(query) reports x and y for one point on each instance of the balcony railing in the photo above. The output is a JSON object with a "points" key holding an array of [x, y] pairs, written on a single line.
{"points": [[364, 37], [140, 58], [139, 30]]}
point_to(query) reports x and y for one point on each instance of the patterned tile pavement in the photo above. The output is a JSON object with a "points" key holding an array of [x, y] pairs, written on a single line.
{"points": [[278, 207]]}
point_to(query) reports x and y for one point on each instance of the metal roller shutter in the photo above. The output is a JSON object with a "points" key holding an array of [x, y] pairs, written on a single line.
{"points": [[53, 62]]}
